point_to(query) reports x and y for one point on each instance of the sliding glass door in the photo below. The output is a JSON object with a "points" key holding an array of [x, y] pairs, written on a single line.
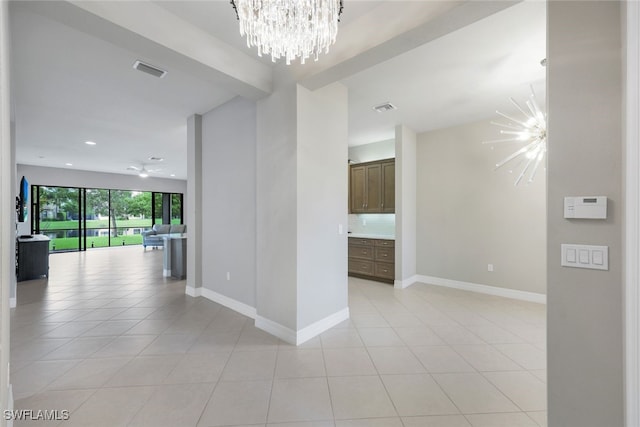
{"points": [[81, 218], [130, 214], [59, 216]]}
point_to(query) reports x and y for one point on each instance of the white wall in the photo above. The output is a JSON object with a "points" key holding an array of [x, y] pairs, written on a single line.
{"points": [[276, 205], [229, 200], [406, 206], [374, 151], [301, 201], [585, 307], [87, 179], [7, 204], [193, 209], [470, 216], [322, 174]]}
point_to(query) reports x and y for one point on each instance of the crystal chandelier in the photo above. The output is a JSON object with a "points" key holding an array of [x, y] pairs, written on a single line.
{"points": [[530, 132], [289, 28]]}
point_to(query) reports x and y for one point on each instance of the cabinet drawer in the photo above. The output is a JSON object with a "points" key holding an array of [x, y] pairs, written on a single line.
{"points": [[385, 270], [359, 241], [384, 243], [362, 252], [360, 266], [384, 254]]}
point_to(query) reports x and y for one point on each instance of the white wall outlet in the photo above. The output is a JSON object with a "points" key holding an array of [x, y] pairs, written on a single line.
{"points": [[339, 228], [489, 267], [228, 275]]}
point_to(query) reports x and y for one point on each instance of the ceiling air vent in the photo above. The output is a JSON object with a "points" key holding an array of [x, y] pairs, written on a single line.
{"points": [[149, 69], [387, 106]]}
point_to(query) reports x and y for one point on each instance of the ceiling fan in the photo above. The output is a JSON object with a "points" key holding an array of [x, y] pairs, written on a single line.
{"points": [[143, 172]]}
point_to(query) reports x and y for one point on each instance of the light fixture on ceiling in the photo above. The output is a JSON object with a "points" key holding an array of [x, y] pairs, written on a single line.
{"points": [[531, 132], [289, 28], [68, 164], [143, 172], [90, 143], [383, 108], [173, 174]]}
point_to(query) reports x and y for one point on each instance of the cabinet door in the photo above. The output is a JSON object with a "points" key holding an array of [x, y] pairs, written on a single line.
{"points": [[373, 202], [357, 189], [361, 252], [384, 270], [388, 187], [360, 266]]}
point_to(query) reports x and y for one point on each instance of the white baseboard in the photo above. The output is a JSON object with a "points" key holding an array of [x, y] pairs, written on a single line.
{"points": [[276, 329], [193, 292], [305, 334], [401, 284], [13, 302], [316, 328], [234, 305], [483, 289]]}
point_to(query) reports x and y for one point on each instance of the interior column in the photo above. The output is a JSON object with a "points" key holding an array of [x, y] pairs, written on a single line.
{"points": [[406, 225], [194, 205]]}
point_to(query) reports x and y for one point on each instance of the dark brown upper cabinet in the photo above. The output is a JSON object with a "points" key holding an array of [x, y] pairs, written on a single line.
{"points": [[372, 187]]}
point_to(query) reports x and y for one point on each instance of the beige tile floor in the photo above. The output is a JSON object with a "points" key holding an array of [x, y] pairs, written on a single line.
{"points": [[110, 340]]}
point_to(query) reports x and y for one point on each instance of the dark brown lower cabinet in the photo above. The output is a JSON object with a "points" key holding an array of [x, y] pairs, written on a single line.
{"points": [[372, 259]]}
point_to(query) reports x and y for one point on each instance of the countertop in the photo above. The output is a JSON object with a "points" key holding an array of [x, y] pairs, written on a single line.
{"points": [[372, 236], [34, 238]]}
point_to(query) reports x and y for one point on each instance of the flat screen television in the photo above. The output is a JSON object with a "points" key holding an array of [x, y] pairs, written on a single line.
{"points": [[23, 200]]}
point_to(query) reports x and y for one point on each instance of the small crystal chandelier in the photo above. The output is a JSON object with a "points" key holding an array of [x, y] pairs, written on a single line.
{"points": [[531, 132], [289, 28]]}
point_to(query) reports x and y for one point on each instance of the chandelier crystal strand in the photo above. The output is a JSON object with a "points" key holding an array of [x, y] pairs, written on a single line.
{"points": [[532, 131], [289, 29]]}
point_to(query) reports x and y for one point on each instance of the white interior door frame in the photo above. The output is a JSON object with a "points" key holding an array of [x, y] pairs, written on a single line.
{"points": [[632, 220]]}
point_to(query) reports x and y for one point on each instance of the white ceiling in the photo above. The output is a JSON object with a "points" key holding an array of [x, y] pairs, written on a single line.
{"points": [[461, 77], [71, 86]]}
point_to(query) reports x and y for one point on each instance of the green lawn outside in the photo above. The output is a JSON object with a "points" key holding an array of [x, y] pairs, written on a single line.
{"points": [[71, 243], [95, 223], [100, 223]]}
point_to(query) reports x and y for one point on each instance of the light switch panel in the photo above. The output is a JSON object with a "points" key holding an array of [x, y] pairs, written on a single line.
{"points": [[585, 256]]}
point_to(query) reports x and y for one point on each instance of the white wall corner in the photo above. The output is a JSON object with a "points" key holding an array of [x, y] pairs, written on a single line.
{"points": [[303, 335], [315, 329], [483, 289], [401, 284], [632, 217], [13, 302], [234, 305], [10, 404], [193, 292], [276, 329]]}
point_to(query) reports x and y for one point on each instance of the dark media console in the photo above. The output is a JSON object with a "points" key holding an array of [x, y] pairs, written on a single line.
{"points": [[32, 257]]}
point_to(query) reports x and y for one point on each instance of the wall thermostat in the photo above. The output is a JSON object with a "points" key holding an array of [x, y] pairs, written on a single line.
{"points": [[587, 207]]}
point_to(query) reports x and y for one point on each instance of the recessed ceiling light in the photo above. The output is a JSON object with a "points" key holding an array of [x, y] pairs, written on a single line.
{"points": [[90, 143], [156, 159], [68, 164], [173, 174]]}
